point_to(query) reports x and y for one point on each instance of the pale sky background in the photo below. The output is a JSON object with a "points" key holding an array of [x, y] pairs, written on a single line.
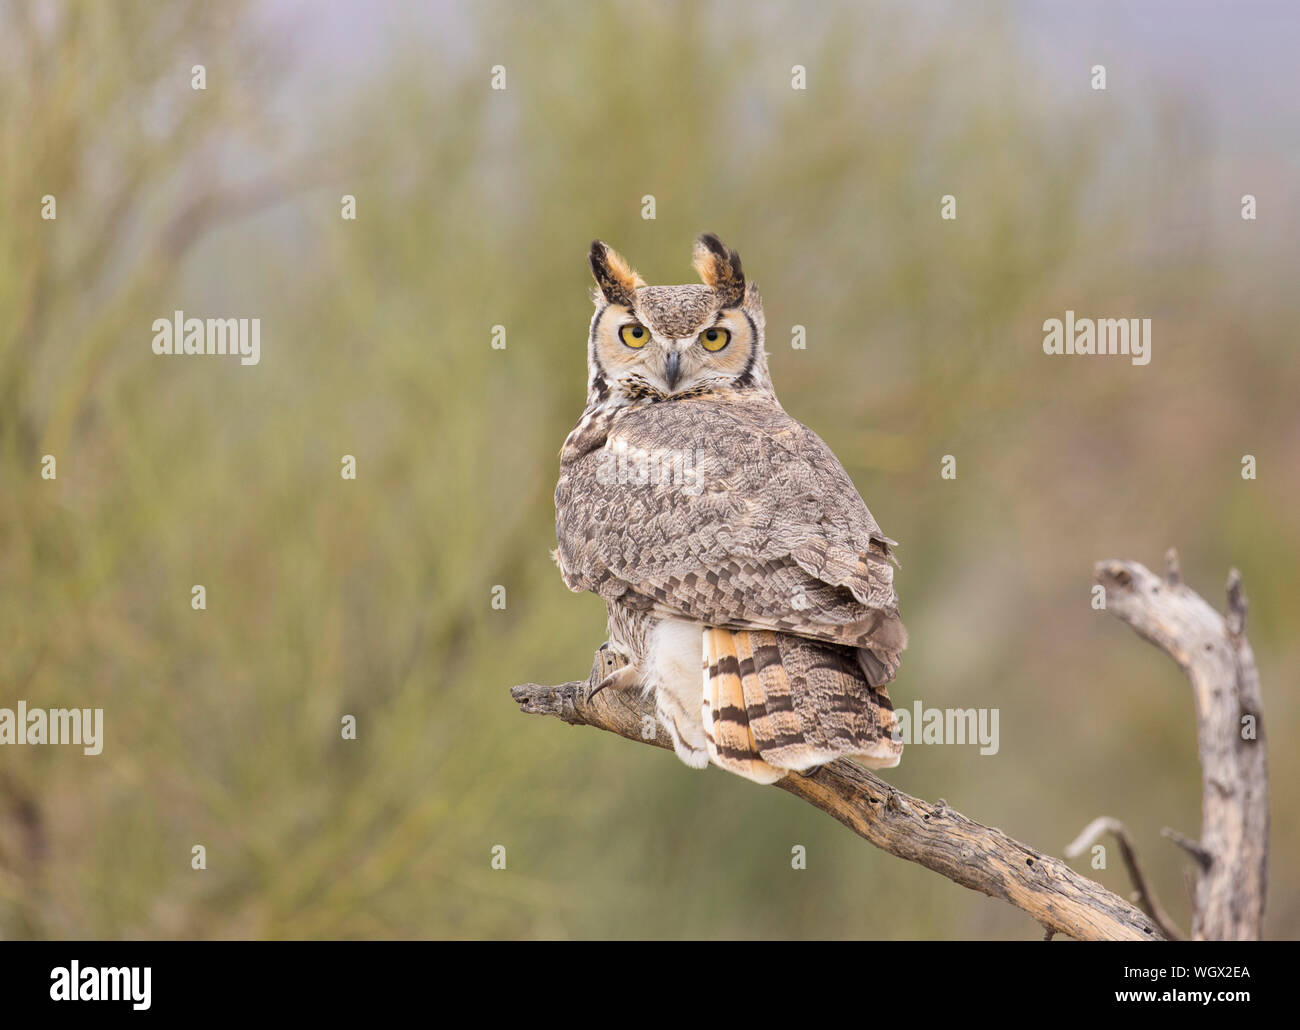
{"points": [[1238, 58]]}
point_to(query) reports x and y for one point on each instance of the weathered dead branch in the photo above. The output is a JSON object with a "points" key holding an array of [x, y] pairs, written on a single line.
{"points": [[1213, 651]]}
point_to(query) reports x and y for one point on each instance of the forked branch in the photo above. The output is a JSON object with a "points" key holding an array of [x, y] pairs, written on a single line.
{"points": [[1232, 854], [932, 834], [984, 858]]}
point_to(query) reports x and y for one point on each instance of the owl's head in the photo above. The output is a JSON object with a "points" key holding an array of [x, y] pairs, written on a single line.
{"points": [[670, 342]]}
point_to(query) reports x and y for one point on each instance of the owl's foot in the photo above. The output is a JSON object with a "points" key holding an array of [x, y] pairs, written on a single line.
{"points": [[609, 669]]}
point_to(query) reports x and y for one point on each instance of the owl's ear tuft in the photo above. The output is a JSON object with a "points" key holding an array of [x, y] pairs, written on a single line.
{"points": [[719, 267], [616, 279], [754, 304]]}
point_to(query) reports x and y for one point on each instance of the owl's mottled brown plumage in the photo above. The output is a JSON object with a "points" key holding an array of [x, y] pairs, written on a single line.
{"points": [[723, 534]]}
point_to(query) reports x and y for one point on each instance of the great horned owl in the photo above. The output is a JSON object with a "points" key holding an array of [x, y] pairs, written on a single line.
{"points": [[747, 585]]}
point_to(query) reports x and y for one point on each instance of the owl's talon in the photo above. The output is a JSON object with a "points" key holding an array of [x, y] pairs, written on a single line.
{"points": [[610, 670]]}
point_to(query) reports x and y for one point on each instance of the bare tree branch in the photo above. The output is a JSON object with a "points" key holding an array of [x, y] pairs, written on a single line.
{"points": [[933, 835], [1193, 848], [1213, 651], [1145, 896], [1229, 895]]}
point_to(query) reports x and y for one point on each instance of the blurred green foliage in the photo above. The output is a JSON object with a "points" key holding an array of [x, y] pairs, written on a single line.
{"points": [[372, 598]]}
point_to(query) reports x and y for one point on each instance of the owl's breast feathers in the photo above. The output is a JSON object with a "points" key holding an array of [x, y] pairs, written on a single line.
{"points": [[729, 513]]}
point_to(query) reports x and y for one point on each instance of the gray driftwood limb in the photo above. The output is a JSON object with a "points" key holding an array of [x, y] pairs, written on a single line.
{"points": [[931, 834], [1232, 853]]}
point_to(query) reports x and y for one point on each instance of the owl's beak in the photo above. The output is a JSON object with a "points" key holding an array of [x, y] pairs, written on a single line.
{"points": [[673, 370]]}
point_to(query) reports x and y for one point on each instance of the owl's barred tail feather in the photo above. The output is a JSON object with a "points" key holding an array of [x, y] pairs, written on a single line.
{"points": [[732, 744], [775, 702]]}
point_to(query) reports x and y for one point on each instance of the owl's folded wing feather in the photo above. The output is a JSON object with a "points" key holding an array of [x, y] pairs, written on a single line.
{"points": [[733, 516]]}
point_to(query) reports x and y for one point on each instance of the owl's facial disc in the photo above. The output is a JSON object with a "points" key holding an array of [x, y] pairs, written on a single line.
{"points": [[637, 359]]}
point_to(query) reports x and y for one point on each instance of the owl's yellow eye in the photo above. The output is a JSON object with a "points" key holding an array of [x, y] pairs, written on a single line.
{"points": [[635, 336], [714, 339]]}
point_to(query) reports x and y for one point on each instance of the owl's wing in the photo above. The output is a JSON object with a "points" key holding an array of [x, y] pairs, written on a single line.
{"points": [[732, 515]]}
